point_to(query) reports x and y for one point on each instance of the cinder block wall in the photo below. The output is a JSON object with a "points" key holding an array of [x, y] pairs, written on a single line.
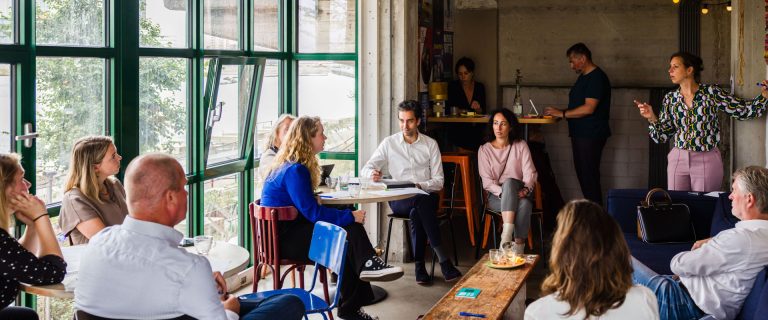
{"points": [[625, 157]]}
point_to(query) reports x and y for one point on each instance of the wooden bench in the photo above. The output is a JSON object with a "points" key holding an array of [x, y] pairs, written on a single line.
{"points": [[500, 288]]}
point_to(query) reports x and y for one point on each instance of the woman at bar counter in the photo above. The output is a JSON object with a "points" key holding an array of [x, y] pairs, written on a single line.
{"points": [[93, 198], [508, 175], [466, 93], [689, 116], [36, 257], [590, 271]]}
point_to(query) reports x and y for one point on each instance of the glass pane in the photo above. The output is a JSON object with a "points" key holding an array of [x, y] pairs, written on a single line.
{"points": [[69, 91], [327, 90], [221, 208], [163, 23], [341, 167], [73, 23], [269, 107], [5, 108], [55, 308], [6, 21], [222, 22], [163, 107], [228, 116], [266, 22], [182, 226], [327, 26]]}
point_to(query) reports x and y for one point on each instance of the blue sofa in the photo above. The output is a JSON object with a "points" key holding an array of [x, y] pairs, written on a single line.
{"points": [[710, 216]]}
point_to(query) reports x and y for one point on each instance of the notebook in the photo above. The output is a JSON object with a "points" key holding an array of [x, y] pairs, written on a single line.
{"points": [[469, 293], [393, 184]]}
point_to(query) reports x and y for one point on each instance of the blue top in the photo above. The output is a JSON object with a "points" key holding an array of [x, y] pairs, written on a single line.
{"points": [[596, 85], [291, 185]]}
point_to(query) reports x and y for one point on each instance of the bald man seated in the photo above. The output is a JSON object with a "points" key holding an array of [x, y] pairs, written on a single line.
{"points": [[137, 270]]}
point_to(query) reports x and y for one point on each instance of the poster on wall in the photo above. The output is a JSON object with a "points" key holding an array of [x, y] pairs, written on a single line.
{"points": [[425, 58], [425, 13], [448, 15], [448, 55]]}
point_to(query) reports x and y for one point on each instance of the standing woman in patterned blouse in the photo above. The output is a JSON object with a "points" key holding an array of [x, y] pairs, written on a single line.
{"points": [[36, 257], [689, 115], [93, 198]]}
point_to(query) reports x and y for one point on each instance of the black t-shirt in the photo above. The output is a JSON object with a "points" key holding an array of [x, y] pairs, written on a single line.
{"points": [[597, 86]]}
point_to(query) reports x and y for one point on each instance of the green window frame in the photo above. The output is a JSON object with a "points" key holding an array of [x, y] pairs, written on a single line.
{"points": [[122, 53]]}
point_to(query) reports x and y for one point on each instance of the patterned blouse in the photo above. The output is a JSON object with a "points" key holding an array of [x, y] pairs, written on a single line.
{"points": [[697, 128], [19, 265]]}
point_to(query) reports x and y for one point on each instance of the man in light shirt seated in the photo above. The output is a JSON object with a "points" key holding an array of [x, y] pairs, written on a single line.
{"points": [[414, 157], [137, 270], [715, 277]]}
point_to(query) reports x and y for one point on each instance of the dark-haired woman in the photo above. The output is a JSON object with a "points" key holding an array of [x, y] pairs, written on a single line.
{"points": [[591, 273], [689, 116], [508, 175], [466, 93]]}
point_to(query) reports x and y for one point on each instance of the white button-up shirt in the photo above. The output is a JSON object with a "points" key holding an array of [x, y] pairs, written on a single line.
{"points": [[137, 271], [720, 274], [418, 162]]}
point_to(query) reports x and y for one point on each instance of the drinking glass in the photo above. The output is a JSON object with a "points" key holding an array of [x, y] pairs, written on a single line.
{"points": [[495, 256], [343, 182], [365, 182], [203, 244], [353, 189], [330, 182]]}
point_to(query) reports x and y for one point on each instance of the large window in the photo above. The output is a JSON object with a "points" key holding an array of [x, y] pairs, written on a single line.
{"points": [[138, 71]]}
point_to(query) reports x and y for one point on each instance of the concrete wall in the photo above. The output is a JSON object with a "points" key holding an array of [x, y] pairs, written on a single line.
{"points": [[475, 37]]}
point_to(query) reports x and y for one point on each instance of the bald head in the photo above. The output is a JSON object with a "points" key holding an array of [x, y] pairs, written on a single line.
{"points": [[154, 184]]}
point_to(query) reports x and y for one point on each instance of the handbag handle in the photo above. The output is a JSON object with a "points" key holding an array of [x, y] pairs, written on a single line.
{"points": [[649, 197]]}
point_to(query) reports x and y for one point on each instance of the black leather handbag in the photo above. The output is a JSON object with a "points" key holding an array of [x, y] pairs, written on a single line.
{"points": [[662, 221]]}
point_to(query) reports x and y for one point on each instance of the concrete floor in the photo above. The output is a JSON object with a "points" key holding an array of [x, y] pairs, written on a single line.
{"points": [[408, 300]]}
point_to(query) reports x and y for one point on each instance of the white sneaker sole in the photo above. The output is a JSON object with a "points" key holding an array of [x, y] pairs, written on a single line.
{"points": [[383, 275]]}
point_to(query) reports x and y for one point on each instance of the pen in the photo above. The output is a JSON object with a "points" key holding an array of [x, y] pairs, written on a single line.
{"points": [[470, 314], [325, 197]]}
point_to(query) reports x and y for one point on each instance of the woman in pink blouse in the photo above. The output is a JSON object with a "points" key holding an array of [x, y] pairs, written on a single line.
{"points": [[508, 175]]}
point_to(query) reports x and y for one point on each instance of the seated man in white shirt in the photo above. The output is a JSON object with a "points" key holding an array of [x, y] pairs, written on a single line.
{"points": [[137, 270], [411, 156], [718, 273]]}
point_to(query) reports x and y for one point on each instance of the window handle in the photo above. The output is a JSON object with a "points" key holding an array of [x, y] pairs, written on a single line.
{"points": [[28, 135]]}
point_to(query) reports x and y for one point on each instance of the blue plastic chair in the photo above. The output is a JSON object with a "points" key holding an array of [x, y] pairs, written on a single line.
{"points": [[328, 250]]}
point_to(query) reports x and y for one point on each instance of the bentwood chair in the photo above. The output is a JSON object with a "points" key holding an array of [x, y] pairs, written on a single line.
{"points": [[82, 315], [328, 250], [266, 247], [444, 213]]}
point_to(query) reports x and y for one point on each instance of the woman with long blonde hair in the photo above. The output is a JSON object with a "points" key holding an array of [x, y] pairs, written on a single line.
{"points": [[93, 197], [291, 181], [274, 142], [591, 272], [36, 257]]}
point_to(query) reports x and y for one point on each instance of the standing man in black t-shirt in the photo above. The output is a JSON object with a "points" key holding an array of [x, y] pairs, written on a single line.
{"points": [[589, 107]]}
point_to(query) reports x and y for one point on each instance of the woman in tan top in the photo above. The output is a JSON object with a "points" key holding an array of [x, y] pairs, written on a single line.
{"points": [[93, 197]]}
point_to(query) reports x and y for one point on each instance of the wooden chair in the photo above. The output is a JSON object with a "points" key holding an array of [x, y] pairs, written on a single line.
{"points": [[266, 247], [82, 315]]}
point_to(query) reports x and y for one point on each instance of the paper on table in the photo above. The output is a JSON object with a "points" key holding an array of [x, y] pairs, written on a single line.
{"points": [[715, 194], [335, 195], [398, 192]]}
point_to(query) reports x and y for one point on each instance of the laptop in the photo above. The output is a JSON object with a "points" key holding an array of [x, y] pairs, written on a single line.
{"points": [[325, 172]]}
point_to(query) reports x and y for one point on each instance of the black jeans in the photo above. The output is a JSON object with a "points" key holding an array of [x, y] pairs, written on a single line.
{"points": [[421, 209], [586, 159], [295, 238]]}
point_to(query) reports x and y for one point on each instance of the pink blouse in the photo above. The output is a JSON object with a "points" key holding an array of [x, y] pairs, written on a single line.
{"points": [[519, 165]]}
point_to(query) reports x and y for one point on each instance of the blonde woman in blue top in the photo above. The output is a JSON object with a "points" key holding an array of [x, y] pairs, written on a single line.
{"points": [[689, 116]]}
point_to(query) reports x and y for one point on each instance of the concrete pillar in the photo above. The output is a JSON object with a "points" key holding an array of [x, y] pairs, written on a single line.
{"points": [[747, 68]]}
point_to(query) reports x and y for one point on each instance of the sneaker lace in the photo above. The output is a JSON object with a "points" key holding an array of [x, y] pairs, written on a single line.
{"points": [[365, 315], [380, 262]]}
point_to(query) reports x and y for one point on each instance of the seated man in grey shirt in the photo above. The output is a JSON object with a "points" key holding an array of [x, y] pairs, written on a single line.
{"points": [[137, 271], [718, 273]]}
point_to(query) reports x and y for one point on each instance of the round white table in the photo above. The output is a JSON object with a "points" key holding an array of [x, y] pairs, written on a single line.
{"points": [[370, 195], [229, 259]]}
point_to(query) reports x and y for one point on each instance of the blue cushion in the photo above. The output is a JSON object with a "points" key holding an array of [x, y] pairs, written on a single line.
{"points": [[655, 256], [756, 305], [722, 218]]}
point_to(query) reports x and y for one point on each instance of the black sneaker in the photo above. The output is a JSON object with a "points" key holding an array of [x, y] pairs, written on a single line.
{"points": [[376, 270], [358, 315], [450, 273], [422, 277]]}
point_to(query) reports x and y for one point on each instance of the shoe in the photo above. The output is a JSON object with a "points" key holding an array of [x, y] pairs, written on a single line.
{"points": [[450, 273], [376, 270], [360, 314], [422, 277]]}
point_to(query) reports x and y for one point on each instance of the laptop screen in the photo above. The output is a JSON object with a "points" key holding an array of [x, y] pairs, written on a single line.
{"points": [[325, 172]]}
